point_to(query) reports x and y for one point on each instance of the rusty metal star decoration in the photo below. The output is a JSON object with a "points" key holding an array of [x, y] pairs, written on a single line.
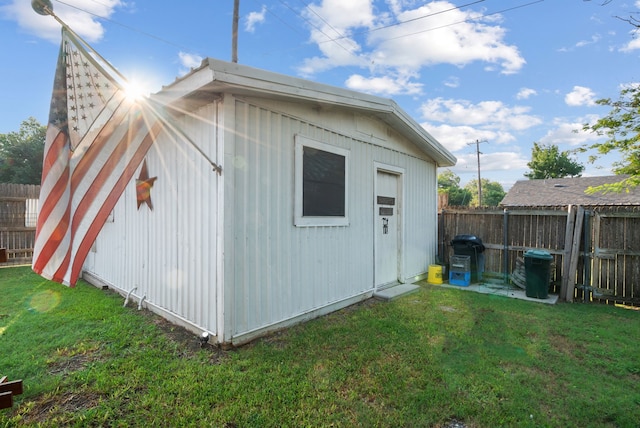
{"points": [[143, 186]]}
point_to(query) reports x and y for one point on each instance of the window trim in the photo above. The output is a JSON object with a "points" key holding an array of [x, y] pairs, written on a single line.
{"points": [[309, 221]]}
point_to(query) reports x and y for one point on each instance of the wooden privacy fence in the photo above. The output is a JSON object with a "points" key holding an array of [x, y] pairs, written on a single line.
{"points": [[595, 250], [18, 215]]}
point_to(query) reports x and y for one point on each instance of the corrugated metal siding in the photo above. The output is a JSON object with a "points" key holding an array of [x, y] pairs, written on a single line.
{"points": [[421, 217], [274, 271], [281, 271], [169, 253]]}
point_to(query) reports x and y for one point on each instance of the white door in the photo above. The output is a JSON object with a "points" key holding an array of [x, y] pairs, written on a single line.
{"points": [[387, 225]]}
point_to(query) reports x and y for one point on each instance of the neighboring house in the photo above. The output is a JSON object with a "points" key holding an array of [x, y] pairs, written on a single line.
{"points": [[325, 197], [568, 191]]}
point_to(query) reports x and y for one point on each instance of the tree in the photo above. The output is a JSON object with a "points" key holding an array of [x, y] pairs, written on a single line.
{"points": [[449, 183], [492, 193], [621, 127], [550, 162], [21, 153]]}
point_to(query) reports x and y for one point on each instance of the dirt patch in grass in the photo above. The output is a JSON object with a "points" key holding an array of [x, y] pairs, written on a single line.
{"points": [[71, 364], [187, 343], [69, 360], [47, 407], [566, 346]]}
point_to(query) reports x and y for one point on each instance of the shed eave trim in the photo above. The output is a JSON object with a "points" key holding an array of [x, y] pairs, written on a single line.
{"points": [[216, 76]]}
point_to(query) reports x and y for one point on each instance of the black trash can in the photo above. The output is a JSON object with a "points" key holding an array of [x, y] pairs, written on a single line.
{"points": [[472, 246], [537, 268]]}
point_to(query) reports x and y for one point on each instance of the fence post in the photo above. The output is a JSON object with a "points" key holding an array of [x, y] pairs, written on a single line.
{"points": [[587, 256], [566, 254], [575, 254], [505, 236]]}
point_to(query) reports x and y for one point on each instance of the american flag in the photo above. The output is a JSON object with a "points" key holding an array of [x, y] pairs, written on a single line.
{"points": [[96, 139]]}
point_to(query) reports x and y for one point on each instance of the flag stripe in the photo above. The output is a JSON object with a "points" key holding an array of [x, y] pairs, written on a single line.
{"points": [[95, 141], [114, 195], [87, 162], [89, 197], [57, 191], [53, 152], [98, 180], [52, 243]]}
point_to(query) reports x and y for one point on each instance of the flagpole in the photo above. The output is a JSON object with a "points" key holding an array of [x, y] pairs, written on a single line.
{"points": [[44, 7], [176, 130]]}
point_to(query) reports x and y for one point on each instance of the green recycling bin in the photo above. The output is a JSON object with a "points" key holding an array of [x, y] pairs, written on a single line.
{"points": [[537, 268]]}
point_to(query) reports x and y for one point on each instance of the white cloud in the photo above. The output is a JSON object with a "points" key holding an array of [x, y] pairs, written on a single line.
{"points": [[255, 18], [594, 39], [503, 161], [385, 85], [340, 15], [634, 43], [72, 13], [629, 85], [452, 82], [570, 132], [497, 161], [582, 43], [634, 35], [445, 35], [525, 93], [493, 115], [456, 138], [580, 96], [491, 165], [461, 123], [188, 61], [333, 34]]}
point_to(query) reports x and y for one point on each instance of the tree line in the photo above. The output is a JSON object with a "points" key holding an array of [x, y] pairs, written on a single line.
{"points": [[21, 153], [547, 161]]}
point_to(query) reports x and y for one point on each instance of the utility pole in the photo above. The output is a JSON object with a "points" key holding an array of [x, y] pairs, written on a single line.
{"points": [[234, 31], [478, 153]]}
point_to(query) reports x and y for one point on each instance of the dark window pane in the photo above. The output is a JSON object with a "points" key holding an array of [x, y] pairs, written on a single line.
{"points": [[323, 181]]}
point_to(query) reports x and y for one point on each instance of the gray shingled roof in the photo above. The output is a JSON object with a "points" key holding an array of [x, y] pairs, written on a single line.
{"points": [[568, 191]]}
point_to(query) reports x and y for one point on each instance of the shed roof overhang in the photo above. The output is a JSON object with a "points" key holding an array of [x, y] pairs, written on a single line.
{"points": [[215, 77]]}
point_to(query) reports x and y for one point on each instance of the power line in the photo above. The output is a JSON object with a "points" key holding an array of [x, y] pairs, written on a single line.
{"points": [[329, 38], [316, 27], [466, 20], [429, 15], [280, 19], [342, 36], [128, 27], [335, 39]]}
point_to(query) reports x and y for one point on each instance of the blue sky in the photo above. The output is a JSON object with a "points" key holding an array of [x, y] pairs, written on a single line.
{"points": [[506, 73]]}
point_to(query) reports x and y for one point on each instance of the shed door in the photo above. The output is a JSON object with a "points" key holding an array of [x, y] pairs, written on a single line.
{"points": [[387, 224]]}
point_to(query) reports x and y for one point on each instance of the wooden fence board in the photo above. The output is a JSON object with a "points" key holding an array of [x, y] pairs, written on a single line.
{"points": [[612, 255], [568, 238], [575, 254], [18, 205]]}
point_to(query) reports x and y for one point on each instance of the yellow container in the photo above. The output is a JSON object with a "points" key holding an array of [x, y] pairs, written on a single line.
{"points": [[435, 274]]}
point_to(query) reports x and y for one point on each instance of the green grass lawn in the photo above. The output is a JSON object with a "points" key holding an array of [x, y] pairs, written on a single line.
{"points": [[427, 359]]}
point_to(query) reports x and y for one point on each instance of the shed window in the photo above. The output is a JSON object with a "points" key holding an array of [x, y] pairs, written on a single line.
{"points": [[321, 183]]}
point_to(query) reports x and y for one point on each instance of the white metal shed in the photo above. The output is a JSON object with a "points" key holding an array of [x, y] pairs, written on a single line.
{"points": [[325, 196]]}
